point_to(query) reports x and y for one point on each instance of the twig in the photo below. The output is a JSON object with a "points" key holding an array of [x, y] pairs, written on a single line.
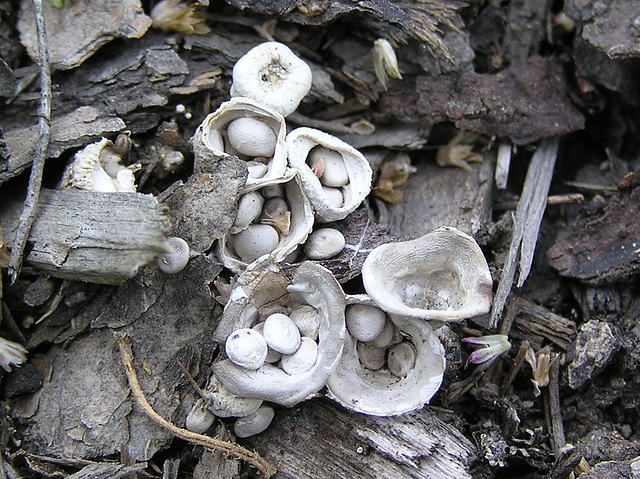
{"points": [[28, 215], [253, 458], [552, 407], [566, 199], [517, 364], [193, 382]]}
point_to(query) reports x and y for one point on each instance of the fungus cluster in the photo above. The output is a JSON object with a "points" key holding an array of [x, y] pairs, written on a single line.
{"points": [[288, 337], [294, 180], [263, 217], [98, 167]]}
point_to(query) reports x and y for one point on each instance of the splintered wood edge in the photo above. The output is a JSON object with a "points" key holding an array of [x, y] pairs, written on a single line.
{"points": [[88, 236]]}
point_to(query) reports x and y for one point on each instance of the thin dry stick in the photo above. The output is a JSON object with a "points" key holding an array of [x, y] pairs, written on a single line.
{"points": [[28, 215], [552, 409], [566, 199], [517, 364], [253, 458]]}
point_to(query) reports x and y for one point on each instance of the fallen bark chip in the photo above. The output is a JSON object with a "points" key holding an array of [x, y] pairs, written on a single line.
{"points": [[525, 102], [76, 32], [589, 251]]}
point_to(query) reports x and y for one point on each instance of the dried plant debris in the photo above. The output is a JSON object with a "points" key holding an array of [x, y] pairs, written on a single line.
{"points": [[523, 103], [77, 32], [67, 131], [586, 249]]}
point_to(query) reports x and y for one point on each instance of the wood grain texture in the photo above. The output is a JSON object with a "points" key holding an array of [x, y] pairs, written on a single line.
{"points": [[320, 440], [88, 236]]}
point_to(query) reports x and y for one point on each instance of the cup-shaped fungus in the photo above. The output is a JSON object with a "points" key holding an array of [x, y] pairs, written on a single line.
{"points": [[306, 370], [393, 379], [272, 75], [97, 167], [272, 219], [335, 176], [442, 275], [249, 130]]}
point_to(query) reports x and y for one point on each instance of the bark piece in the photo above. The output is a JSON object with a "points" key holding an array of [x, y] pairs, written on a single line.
{"points": [[435, 196], [95, 417], [525, 102], [89, 236], [138, 77], [76, 31], [613, 469], [602, 245], [616, 74], [319, 440], [611, 26], [202, 210], [70, 130], [527, 29]]}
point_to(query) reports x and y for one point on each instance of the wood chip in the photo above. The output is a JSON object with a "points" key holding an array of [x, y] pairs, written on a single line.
{"points": [[88, 236], [527, 222]]}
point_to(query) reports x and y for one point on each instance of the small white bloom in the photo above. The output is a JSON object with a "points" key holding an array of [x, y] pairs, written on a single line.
{"points": [[11, 354], [385, 62]]}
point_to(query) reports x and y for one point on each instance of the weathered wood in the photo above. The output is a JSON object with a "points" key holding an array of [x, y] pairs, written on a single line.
{"points": [[531, 207], [67, 131], [436, 196], [108, 471], [320, 440], [88, 236], [537, 324]]}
